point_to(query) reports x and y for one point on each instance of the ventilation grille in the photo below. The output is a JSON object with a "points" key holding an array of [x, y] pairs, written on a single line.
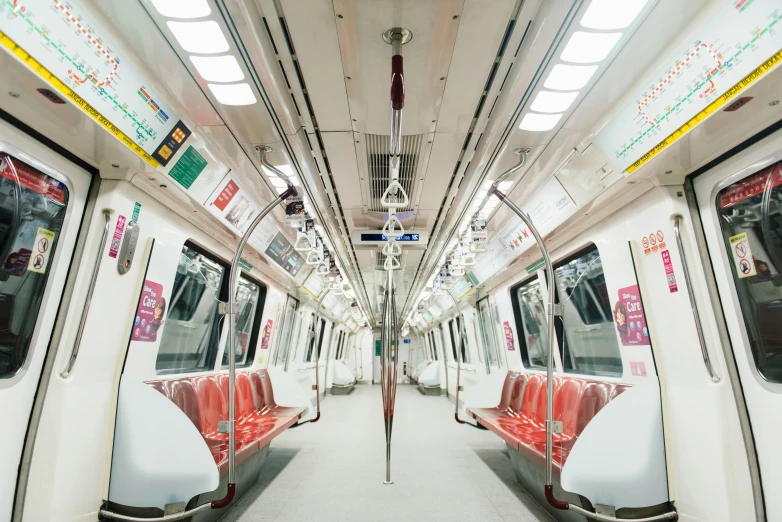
{"points": [[377, 166], [380, 260]]}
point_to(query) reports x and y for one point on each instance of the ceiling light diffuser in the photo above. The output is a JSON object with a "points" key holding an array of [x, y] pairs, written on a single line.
{"points": [[504, 185], [234, 94], [569, 77], [182, 8], [547, 101], [586, 47], [199, 37], [277, 182], [612, 14], [539, 122], [218, 68]]}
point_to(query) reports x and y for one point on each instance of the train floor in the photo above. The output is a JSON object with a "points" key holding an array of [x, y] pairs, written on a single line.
{"points": [[333, 470]]}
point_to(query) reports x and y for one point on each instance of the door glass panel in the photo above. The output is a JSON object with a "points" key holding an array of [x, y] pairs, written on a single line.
{"points": [[284, 340], [192, 334], [531, 324], [247, 321], [751, 225], [32, 210], [488, 339]]}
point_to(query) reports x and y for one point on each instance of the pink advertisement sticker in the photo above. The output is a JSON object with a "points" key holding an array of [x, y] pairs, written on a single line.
{"points": [[638, 368], [150, 314], [509, 337], [629, 317], [117, 236], [672, 286], [267, 334]]}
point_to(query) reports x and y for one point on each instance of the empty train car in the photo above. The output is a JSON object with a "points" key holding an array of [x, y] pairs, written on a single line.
{"points": [[464, 260]]}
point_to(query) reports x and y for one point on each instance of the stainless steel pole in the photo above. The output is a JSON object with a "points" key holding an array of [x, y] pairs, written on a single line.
{"points": [[316, 348]]}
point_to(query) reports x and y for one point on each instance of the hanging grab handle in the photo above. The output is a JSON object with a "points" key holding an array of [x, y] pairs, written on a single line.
{"points": [[400, 192], [468, 259], [392, 263], [478, 247], [313, 258], [390, 228], [306, 246], [392, 248]]}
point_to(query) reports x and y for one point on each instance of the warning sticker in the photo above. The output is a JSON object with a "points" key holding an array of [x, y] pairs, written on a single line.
{"points": [[654, 242], [742, 255], [672, 286], [42, 249]]}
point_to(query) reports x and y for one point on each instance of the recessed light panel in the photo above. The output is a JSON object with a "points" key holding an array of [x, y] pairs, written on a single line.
{"points": [[182, 8], [235, 94], [586, 47], [199, 37], [218, 68], [569, 77], [539, 122], [547, 101], [612, 14]]}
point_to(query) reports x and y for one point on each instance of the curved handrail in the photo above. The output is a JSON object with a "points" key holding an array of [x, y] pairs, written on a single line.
{"points": [[317, 355], [677, 219], [90, 290], [460, 322]]}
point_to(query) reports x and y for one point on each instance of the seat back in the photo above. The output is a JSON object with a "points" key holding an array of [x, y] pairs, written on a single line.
{"points": [[183, 394], [257, 391], [540, 404], [530, 395], [507, 388], [518, 394], [159, 386], [593, 399], [569, 403], [210, 403], [268, 392]]}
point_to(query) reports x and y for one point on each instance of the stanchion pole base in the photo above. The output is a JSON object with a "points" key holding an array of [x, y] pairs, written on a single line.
{"points": [[388, 482]]}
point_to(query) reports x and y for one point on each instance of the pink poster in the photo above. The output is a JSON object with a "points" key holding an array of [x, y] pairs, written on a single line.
{"points": [[629, 317], [267, 333], [509, 337], [672, 286], [638, 369], [150, 313]]}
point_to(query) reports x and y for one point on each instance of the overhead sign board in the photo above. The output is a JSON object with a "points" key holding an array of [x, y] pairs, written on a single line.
{"points": [[738, 44], [374, 238], [70, 50]]}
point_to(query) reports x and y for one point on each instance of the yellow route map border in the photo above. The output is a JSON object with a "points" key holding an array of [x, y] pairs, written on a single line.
{"points": [[52, 80], [713, 107]]}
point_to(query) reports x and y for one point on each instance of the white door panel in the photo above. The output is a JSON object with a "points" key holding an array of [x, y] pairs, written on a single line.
{"points": [[42, 199]]}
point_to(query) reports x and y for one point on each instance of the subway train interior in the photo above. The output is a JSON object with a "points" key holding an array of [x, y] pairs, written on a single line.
{"points": [[350, 260]]}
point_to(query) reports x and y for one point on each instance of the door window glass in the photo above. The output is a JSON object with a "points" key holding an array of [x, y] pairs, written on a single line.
{"points": [[249, 305], [32, 210], [192, 333], [750, 216], [530, 313], [590, 345]]}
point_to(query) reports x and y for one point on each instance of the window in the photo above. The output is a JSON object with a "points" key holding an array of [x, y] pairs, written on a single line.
{"points": [[453, 340], [287, 327], [311, 344], [751, 223], [488, 334], [192, 333], [588, 336], [32, 210], [465, 351], [250, 297], [530, 314]]}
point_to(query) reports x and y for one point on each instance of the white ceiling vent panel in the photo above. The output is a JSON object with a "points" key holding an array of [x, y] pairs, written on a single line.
{"points": [[377, 147]]}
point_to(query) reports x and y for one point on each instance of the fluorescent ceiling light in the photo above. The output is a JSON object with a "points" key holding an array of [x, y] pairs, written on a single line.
{"points": [[586, 47], [234, 94], [277, 182], [199, 37], [218, 68], [612, 14], [505, 185], [569, 77], [182, 8], [547, 101], [539, 122]]}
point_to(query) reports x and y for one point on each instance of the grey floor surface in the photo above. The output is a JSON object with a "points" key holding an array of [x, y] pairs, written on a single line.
{"points": [[333, 470]]}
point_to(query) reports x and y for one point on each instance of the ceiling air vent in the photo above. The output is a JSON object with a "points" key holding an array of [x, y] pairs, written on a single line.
{"points": [[377, 166], [380, 260]]}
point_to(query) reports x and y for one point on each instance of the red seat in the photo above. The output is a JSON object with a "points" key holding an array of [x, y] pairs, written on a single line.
{"points": [[520, 418], [271, 406], [159, 386]]}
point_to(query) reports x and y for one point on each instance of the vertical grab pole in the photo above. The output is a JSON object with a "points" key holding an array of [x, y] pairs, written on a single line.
{"points": [[230, 310], [316, 346], [460, 324], [385, 347], [551, 313]]}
